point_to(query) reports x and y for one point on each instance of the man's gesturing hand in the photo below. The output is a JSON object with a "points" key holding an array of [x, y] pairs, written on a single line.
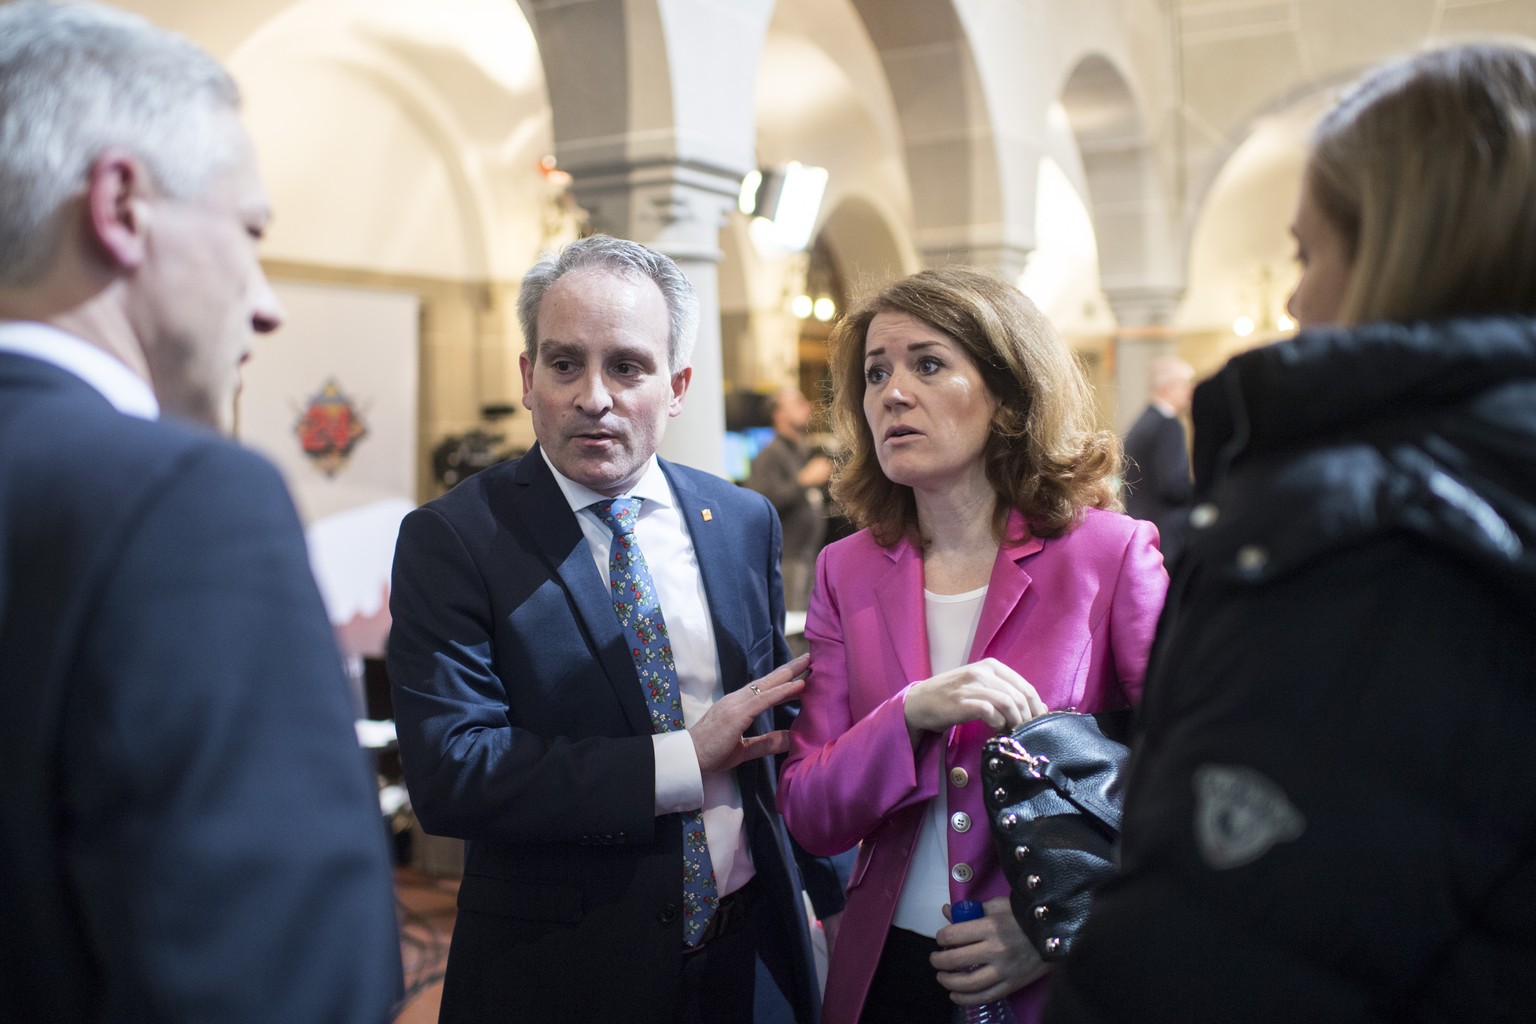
{"points": [[717, 737]]}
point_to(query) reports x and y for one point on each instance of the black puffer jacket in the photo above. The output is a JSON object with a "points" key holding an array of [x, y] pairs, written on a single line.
{"points": [[1332, 807]]}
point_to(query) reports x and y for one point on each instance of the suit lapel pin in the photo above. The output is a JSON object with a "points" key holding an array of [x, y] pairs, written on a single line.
{"points": [[708, 515]]}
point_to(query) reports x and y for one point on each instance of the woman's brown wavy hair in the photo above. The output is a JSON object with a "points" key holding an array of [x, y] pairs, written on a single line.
{"points": [[1045, 456]]}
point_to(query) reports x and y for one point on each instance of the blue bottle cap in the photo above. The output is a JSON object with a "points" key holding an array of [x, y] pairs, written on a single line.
{"points": [[966, 910]]}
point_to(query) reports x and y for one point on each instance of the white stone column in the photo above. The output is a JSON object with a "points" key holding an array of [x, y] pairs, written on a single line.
{"points": [[1145, 315], [679, 210]]}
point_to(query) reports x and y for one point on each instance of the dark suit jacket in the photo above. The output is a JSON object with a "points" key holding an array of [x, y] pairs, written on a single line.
{"points": [[188, 829], [523, 730], [1158, 487]]}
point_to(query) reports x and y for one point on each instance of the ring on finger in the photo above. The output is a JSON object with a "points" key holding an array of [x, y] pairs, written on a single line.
{"points": [[754, 688]]}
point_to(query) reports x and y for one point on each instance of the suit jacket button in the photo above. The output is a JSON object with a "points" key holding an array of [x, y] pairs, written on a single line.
{"points": [[960, 821], [668, 914], [958, 777], [961, 872]]}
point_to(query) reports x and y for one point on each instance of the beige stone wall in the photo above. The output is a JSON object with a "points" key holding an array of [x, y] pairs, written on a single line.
{"points": [[470, 343]]}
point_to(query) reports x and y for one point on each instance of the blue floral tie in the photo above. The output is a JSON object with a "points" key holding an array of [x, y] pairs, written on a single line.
{"points": [[634, 599]]}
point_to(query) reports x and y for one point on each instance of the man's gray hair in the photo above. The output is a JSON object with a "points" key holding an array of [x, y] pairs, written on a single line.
{"points": [[620, 256], [77, 79], [1170, 370]]}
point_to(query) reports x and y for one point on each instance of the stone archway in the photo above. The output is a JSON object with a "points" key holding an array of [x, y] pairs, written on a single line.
{"points": [[1127, 204], [652, 111], [402, 148], [953, 156], [821, 100], [651, 105]]}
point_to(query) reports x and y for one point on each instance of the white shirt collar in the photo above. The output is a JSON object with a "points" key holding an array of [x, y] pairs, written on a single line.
{"points": [[126, 390], [652, 486], [1164, 408]]}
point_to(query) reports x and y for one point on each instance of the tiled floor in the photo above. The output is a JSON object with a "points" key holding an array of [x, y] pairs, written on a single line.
{"points": [[426, 906]]}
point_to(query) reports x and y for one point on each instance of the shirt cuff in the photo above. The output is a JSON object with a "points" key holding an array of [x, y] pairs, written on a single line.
{"points": [[679, 783]]}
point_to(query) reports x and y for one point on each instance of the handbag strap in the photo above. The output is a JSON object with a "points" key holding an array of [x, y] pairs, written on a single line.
{"points": [[1084, 799]]}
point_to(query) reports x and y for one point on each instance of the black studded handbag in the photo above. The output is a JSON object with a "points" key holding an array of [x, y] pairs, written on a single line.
{"points": [[1053, 797]]}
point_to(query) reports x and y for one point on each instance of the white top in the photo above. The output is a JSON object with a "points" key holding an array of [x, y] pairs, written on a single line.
{"points": [[126, 390], [951, 621], [668, 548]]}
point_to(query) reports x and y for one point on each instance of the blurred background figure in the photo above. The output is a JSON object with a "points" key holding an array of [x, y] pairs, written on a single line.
{"points": [[1157, 481], [791, 476], [1321, 826], [988, 583]]}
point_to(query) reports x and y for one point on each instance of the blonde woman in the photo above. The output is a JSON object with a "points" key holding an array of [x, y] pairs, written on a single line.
{"points": [[1332, 815]]}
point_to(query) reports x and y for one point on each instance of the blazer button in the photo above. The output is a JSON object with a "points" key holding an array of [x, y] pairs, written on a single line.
{"points": [[668, 914], [961, 872], [960, 821], [958, 777], [1204, 516]]}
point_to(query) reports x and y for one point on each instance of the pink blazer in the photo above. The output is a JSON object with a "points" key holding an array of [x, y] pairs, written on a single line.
{"points": [[1074, 615]]}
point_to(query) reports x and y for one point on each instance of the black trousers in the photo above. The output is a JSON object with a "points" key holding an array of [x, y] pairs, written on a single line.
{"points": [[905, 988], [720, 974]]}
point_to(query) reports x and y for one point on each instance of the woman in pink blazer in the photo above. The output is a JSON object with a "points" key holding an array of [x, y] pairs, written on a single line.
{"points": [[989, 584]]}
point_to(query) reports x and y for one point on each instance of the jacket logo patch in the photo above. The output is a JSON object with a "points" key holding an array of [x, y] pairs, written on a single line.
{"points": [[1239, 815]]}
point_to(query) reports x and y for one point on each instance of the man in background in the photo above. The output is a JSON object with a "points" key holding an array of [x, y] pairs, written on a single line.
{"points": [[586, 646], [188, 828], [1158, 487], [791, 477]]}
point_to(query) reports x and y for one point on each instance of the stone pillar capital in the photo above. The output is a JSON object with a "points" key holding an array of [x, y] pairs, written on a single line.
{"points": [[1143, 306], [675, 208], [1005, 259]]}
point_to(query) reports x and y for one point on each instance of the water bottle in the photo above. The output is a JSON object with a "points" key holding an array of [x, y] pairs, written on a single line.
{"points": [[996, 1012]]}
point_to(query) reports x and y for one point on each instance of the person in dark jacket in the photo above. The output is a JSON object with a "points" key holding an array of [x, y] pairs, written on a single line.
{"points": [[789, 474], [1331, 815], [1157, 481]]}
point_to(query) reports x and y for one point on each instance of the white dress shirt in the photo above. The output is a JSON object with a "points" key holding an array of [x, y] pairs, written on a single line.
{"points": [[952, 621], [674, 566], [126, 390]]}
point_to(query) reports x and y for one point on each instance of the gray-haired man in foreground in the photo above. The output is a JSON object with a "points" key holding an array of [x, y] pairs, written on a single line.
{"points": [[188, 829]]}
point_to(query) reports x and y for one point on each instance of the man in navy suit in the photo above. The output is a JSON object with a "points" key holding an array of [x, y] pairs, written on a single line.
{"points": [[524, 727], [1158, 487], [188, 828]]}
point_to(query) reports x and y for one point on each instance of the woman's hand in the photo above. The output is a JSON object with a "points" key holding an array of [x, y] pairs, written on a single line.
{"points": [[983, 691], [986, 959]]}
